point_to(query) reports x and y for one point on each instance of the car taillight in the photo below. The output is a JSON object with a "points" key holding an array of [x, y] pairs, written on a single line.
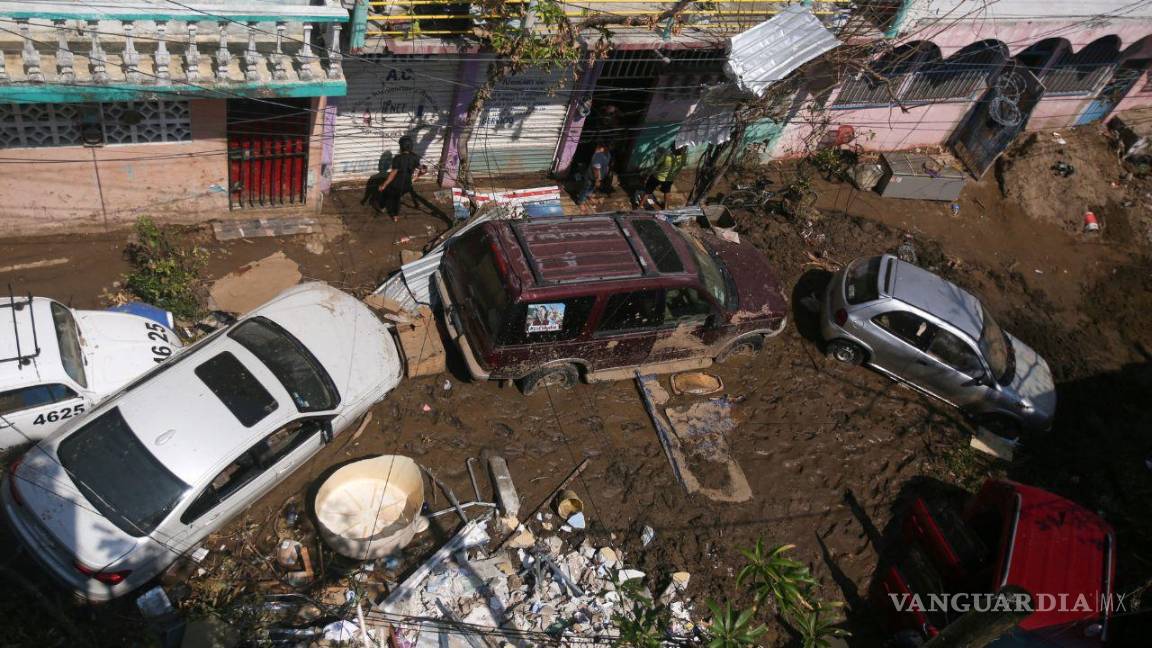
{"points": [[16, 496], [841, 317], [108, 578]]}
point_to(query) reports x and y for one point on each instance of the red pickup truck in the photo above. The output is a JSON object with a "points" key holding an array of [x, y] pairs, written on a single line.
{"points": [[952, 561]]}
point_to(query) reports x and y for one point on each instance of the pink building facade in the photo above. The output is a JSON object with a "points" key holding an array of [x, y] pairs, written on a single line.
{"points": [[947, 52]]}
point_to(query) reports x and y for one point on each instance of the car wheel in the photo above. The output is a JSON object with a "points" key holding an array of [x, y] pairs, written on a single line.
{"points": [[747, 346], [846, 352], [1001, 425], [562, 376]]}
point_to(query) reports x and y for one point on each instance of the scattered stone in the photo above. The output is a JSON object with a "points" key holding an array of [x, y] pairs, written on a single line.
{"points": [[606, 556], [647, 535], [576, 521], [625, 575]]}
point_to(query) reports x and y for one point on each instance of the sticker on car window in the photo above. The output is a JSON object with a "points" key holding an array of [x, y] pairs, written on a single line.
{"points": [[545, 317]]}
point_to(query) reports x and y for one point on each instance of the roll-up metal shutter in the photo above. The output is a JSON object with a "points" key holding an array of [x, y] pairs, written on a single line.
{"points": [[521, 125], [389, 97]]}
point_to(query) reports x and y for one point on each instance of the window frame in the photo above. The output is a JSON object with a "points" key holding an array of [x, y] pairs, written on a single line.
{"points": [[702, 297], [982, 369]]}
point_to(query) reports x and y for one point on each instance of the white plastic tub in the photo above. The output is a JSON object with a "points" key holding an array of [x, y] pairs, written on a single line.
{"points": [[371, 508]]}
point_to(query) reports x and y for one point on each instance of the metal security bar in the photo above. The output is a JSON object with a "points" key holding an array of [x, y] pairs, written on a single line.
{"points": [[956, 78]]}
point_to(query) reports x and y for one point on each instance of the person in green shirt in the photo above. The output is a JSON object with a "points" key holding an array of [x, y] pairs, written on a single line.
{"points": [[669, 166]]}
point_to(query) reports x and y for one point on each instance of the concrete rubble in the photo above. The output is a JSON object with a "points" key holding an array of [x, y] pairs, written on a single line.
{"points": [[562, 584]]}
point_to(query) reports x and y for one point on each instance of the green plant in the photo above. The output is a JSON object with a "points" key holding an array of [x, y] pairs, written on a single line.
{"points": [[163, 273], [818, 625], [642, 626], [732, 628], [773, 575], [829, 162]]}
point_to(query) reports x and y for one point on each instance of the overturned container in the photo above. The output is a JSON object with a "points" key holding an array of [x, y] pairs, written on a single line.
{"points": [[371, 508]]}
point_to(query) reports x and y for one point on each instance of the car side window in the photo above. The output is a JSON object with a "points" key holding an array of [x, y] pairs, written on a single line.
{"points": [[547, 321], [15, 400], [251, 464], [641, 309], [228, 481], [913, 329], [685, 304], [278, 444], [955, 353]]}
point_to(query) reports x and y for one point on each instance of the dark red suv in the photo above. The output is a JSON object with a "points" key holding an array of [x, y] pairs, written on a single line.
{"points": [[550, 300]]}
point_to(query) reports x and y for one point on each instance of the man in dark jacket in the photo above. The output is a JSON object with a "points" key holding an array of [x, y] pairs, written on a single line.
{"points": [[406, 167]]}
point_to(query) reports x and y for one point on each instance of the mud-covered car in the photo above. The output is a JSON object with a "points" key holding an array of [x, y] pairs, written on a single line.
{"points": [[551, 300], [57, 362], [935, 336], [114, 497]]}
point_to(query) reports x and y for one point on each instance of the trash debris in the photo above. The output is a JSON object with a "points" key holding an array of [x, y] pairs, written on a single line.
{"points": [[288, 554], [1090, 222], [426, 408], [568, 503], [262, 227], [697, 383], [991, 444], [576, 521], [647, 535], [447, 385], [906, 251], [1063, 169], [408, 256], [154, 603], [420, 342], [253, 284], [371, 508]]}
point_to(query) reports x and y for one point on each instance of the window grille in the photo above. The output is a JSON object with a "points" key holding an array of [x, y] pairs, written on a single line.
{"points": [[137, 122]]}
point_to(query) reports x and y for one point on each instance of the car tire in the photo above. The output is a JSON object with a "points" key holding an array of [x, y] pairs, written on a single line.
{"points": [[563, 376], [1001, 425], [749, 346], [846, 352]]}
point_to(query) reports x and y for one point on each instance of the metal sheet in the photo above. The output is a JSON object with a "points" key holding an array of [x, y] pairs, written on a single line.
{"points": [[771, 50], [521, 124], [710, 122], [389, 97]]}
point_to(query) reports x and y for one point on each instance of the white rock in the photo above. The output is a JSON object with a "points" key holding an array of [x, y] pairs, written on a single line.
{"points": [[606, 556], [625, 575]]}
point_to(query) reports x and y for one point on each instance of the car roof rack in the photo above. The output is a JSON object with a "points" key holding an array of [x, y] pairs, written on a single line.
{"points": [[23, 356]]}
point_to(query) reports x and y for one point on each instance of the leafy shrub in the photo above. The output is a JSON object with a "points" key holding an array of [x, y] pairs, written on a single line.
{"points": [[163, 273]]}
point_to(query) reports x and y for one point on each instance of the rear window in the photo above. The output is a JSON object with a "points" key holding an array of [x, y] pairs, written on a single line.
{"points": [[658, 246], [237, 388], [117, 474], [862, 283], [544, 322], [483, 293], [293, 365]]}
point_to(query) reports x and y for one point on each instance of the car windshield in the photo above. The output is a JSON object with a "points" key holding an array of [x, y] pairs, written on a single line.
{"points": [[711, 274], [997, 349], [863, 281], [68, 338], [658, 246], [298, 370], [117, 474]]}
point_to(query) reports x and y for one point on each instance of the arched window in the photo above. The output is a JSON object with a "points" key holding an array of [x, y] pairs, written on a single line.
{"points": [[1084, 71], [862, 89], [959, 76]]}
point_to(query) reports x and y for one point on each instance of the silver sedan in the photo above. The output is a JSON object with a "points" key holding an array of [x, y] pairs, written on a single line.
{"points": [[931, 334]]}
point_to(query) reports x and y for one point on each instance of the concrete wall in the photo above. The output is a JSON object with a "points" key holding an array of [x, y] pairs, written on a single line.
{"points": [[84, 189], [891, 128]]}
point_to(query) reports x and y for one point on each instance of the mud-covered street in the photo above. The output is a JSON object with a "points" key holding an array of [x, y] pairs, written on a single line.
{"points": [[831, 453]]}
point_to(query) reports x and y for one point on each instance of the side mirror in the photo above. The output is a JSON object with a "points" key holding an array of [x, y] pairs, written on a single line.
{"points": [[326, 431]]}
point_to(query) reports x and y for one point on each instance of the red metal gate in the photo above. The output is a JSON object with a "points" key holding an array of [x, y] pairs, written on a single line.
{"points": [[267, 153]]}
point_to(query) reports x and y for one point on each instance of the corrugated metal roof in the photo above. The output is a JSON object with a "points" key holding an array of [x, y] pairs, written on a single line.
{"points": [[566, 250], [771, 50]]}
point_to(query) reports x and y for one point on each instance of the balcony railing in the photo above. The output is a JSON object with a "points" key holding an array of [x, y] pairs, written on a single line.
{"points": [[65, 51], [435, 18]]}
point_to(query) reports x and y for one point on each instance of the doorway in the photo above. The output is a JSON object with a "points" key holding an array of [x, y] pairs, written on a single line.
{"points": [[268, 152], [1115, 90]]}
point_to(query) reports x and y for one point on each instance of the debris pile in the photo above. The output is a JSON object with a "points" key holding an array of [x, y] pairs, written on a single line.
{"points": [[552, 580]]}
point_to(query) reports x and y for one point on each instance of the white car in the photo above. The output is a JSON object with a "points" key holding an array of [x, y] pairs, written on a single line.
{"points": [[56, 362], [108, 502]]}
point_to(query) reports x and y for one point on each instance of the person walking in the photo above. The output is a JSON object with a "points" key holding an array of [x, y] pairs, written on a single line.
{"points": [[594, 177], [406, 167], [670, 166]]}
